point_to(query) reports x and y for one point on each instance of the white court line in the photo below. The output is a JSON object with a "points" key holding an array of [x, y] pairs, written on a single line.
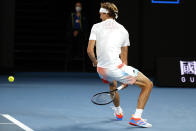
{"points": [[18, 123]]}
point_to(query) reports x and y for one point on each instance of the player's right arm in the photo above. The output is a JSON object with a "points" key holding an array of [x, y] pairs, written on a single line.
{"points": [[91, 53]]}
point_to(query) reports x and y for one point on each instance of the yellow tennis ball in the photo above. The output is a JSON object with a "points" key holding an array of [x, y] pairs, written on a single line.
{"points": [[11, 79]]}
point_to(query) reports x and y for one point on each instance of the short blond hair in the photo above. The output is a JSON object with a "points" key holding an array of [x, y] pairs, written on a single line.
{"points": [[111, 7]]}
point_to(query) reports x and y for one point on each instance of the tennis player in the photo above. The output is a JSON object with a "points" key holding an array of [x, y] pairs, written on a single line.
{"points": [[112, 40]]}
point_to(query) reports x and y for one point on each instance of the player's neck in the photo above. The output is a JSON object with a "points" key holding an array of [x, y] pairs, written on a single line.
{"points": [[108, 18]]}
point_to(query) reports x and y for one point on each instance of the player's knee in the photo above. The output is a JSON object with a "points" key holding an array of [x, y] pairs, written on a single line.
{"points": [[112, 88], [150, 84], [113, 85]]}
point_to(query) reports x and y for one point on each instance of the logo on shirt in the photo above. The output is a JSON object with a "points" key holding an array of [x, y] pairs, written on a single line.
{"points": [[110, 25]]}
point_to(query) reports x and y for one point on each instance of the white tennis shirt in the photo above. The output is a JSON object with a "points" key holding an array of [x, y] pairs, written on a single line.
{"points": [[110, 36]]}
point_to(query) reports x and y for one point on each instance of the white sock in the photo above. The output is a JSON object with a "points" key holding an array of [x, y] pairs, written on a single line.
{"points": [[118, 110], [138, 113]]}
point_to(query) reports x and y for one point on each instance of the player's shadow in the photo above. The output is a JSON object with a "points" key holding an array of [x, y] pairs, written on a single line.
{"points": [[113, 120], [101, 125], [108, 121], [132, 127]]}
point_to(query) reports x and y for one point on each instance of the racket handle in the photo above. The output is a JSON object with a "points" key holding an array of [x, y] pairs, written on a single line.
{"points": [[120, 87]]}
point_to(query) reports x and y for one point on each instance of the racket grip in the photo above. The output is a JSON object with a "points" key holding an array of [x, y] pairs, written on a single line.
{"points": [[120, 87]]}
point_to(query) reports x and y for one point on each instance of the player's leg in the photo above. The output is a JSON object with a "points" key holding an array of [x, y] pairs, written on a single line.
{"points": [[117, 109], [129, 75], [146, 86], [113, 86]]}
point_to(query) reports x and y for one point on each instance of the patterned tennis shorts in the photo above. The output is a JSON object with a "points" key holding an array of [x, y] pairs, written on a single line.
{"points": [[122, 73]]}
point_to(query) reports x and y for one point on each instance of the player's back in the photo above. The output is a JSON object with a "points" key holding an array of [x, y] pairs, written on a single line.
{"points": [[110, 37]]}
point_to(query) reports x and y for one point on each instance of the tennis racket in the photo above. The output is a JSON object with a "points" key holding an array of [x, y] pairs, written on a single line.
{"points": [[104, 98]]}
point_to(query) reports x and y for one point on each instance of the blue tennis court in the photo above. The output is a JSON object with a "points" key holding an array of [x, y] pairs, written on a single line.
{"points": [[58, 101]]}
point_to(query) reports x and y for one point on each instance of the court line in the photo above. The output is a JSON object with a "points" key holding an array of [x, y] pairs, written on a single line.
{"points": [[18, 123]]}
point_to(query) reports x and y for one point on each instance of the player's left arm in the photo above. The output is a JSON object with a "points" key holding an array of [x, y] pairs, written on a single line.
{"points": [[124, 54]]}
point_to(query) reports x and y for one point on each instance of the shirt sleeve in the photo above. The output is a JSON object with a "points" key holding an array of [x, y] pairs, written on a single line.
{"points": [[93, 33], [126, 41]]}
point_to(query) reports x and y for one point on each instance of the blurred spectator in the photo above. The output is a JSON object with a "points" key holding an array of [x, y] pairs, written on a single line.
{"points": [[76, 34]]}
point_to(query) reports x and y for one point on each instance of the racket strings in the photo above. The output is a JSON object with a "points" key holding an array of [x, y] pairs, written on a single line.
{"points": [[103, 98]]}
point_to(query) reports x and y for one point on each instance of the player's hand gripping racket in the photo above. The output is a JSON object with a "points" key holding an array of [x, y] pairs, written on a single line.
{"points": [[104, 98]]}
